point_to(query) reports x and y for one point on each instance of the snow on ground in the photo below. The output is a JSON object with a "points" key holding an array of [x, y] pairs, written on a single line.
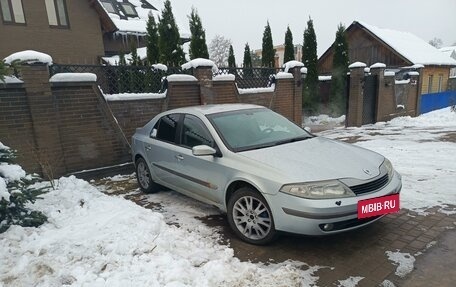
{"points": [[422, 150], [93, 239], [404, 262], [324, 120], [350, 282]]}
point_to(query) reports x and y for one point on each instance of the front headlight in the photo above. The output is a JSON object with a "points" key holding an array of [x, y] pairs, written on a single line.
{"points": [[389, 167], [318, 190]]}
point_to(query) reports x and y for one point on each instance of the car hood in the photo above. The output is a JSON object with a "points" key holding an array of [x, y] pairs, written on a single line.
{"points": [[317, 159]]}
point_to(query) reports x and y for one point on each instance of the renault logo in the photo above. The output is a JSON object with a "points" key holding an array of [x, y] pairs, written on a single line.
{"points": [[366, 171]]}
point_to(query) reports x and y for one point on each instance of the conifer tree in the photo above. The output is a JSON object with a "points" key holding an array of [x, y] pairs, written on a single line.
{"points": [[289, 47], [339, 71], [16, 195], [247, 64], [268, 52], [309, 59], [171, 53], [231, 58], [152, 41], [198, 47], [135, 60]]}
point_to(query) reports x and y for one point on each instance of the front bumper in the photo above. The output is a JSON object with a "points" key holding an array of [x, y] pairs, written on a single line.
{"points": [[309, 216]]}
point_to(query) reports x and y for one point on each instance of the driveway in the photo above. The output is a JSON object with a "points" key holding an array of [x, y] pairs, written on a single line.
{"points": [[424, 244]]}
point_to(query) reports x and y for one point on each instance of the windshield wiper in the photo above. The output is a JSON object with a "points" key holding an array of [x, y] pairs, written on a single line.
{"points": [[292, 140]]}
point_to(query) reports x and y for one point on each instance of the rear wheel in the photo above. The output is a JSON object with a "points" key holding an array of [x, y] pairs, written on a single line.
{"points": [[250, 217], [144, 178]]}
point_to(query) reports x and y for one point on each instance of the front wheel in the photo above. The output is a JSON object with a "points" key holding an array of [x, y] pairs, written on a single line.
{"points": [[250, 217], [144, 177]]}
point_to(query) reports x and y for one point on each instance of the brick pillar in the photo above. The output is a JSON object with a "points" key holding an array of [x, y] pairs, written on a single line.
{"points": [[355, 97], [48, 152], [297, 97], [204, 76], [379, 70]]}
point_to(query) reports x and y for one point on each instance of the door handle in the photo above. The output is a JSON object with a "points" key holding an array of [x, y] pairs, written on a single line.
{"points": [[148, 147], [179, 157]]}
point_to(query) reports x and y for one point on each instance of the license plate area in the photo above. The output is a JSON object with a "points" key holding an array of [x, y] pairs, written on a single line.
{"points": [[378, 206]]}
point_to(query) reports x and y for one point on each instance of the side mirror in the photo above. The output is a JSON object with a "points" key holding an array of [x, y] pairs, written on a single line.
{"points": [[201, 150], [153, 133]]}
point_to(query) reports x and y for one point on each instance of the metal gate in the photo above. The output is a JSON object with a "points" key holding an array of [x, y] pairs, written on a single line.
{"points": [[370, 99]]}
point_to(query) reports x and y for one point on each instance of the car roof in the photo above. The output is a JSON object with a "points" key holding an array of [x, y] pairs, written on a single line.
{"points": [[213, 109]]}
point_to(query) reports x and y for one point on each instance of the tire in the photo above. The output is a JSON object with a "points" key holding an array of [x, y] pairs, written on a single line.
{"points": [[250, 217], [145, 182]]}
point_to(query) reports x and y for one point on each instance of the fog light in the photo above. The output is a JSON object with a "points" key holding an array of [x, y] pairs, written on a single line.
{"points": [[328, 227]]}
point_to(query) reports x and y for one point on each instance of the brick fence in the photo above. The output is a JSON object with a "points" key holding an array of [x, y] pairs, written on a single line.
{"points": [[63, 127]]}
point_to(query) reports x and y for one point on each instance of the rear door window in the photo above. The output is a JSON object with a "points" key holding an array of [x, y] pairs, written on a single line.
{"points": [[166, 128]]}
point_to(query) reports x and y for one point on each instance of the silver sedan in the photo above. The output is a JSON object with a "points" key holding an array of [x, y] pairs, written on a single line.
{"points": [[268, 174]]}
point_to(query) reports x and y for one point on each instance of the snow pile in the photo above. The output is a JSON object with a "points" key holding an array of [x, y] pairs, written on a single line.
{"points": [[73, 77], [403, 261], [324, 78], [181, 78], [134, 96], [284, 75], [29, 57], [324, 120], [377, 66], [160, 67], [200, 62], [11, 80], [439, 118], [350, 282], [257, 90], [292, 64], [357, 65], [226, 77], [4, 193], [93, 239]]}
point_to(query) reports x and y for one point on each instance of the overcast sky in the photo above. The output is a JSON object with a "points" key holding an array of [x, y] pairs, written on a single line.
{"points": [[244, 21]]}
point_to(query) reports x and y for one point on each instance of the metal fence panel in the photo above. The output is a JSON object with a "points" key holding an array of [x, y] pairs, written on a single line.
{"points": [[435, 101]]}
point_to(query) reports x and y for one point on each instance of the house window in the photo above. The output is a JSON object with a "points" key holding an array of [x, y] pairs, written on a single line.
{"points": [[129, 10], [431, 78], [440, 82], [57, 13], [109, 7], [12, 11]]}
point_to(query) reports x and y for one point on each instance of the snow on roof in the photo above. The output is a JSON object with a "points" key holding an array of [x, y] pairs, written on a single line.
{"points": [[411, 47], [114, 60], [30, 57], [133, 25], [447, 49]]}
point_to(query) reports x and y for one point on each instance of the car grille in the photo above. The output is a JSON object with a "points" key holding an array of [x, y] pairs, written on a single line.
{"points": [[370, 186]]}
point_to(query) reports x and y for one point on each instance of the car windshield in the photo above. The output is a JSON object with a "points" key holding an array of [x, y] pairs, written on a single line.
{"points": [[255, 128]]}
